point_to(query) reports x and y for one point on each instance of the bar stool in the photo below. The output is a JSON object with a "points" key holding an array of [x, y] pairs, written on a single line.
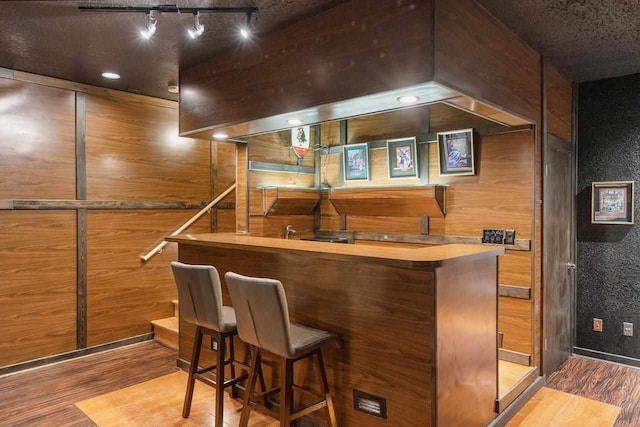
{"points": [[200, 303], [263, 323]]}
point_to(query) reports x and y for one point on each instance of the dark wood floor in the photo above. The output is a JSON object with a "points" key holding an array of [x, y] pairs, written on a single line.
{"points": [[46, 396], [607, 382]]}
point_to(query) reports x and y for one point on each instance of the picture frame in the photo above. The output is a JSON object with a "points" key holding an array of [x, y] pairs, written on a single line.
{"points": [[356, 162], [612, 202], [402, 158], [456, 155]]}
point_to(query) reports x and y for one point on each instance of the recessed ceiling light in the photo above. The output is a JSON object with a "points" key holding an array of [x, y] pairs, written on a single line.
{"points": [[220, 135], [173, 88], [294, 122], [110, 75], [408, 99]]}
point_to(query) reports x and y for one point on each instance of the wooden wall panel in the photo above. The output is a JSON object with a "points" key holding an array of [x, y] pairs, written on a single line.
{"points": [[275, 147], [477, 55], [559, 102], [37, 284], [134, 153], [315, 61], [499, 195], [515, 321], [123, 293], [242, 189], [515, 268], [37, 141]]}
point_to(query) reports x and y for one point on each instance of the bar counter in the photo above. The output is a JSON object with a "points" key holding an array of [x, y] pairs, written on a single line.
{"points": [[416, 327]]}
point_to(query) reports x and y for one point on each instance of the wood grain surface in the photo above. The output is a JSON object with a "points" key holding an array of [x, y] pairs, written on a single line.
{"points": [[312, 62], [134, 153], [37, 142], [242, 188], [37, 284], [50, 400], [490, 63], [123, 293], [559, 102], [603, 381]]}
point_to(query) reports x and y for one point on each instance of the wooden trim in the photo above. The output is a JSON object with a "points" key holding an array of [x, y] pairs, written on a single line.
{"points": [[213, 184], [424, 225], [510, 411], [516, 390], [81, 279], [6, 73], [81, 157], [73, 354], [521, 244], [99, 204], [278, 167], [513, 356], [522, 292], [94, 90]]}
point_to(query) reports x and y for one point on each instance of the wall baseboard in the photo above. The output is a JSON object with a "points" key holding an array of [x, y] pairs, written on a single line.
{"points": [[36, 363], [511, 410], [610, 357]]}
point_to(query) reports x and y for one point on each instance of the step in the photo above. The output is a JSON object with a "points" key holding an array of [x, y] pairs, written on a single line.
{"points": [[175, 308], [166, 331]]}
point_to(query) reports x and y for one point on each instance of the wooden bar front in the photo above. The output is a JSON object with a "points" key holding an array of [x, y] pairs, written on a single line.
{"points": [[417, 327]]}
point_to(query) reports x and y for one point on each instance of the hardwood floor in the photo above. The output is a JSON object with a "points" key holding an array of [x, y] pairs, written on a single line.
{"points": [[604, 381], [46, 396], [555, 408]]}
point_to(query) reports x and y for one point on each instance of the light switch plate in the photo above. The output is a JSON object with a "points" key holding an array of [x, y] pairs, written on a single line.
{"points": [[510, 237], [627, 329], [597, 325]]}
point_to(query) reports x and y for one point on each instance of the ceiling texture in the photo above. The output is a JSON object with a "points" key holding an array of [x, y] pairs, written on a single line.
{"points": [[585, 39], [53, 38]]}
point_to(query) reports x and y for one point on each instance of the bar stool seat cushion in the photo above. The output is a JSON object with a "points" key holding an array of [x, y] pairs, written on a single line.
{"points": [[228, 319], [304, 339]]}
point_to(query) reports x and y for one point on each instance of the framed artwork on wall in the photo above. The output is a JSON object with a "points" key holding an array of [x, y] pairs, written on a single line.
{"points": [[612, 202], [402, 158], [455, 153], [356, 162]]}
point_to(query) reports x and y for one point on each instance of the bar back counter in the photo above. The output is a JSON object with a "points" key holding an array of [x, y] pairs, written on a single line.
{"points": [[417, 327]]}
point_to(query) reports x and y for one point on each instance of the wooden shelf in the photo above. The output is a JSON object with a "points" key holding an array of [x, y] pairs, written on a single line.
{"points": [[401, 201], [286, 201]]}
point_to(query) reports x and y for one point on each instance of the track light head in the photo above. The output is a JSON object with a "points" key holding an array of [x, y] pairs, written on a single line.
{"points": [[197, 29], [245, 32], [150, 27]]}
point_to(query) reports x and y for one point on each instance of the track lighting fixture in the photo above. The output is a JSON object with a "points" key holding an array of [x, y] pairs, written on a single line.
{"points": [[149, 27], [197, 29], [194, 31]]}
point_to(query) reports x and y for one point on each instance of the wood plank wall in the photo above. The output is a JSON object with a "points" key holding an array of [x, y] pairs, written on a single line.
{"points": [[499, 196], [132, 154]]}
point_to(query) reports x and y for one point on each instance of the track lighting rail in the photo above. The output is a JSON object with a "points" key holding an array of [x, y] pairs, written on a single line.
{"points": [[168, 9]]}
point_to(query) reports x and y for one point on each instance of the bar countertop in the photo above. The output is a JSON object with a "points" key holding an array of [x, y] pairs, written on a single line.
{"points": [[433, 256]]}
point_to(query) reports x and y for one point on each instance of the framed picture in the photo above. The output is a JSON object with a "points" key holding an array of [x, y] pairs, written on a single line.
{"points": [[402, 158], [612, 202], [356, 162], [455, 153]]}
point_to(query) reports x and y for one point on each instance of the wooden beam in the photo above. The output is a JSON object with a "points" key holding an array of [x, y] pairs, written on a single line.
{"points": [[81, 156], [81, 279], [97, 204], [522, 292]]}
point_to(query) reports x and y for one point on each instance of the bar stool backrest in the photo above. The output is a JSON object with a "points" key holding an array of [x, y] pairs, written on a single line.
{"points": [[261, 312], [199, 295]]}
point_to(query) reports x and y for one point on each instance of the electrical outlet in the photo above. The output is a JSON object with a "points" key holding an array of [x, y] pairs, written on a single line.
{"points": [[627, 329], [510, 237], [214, 344], [493, 236], [597, 325]]}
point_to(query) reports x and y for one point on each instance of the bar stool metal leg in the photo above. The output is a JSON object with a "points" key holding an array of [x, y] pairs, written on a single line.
{"points": [[195, 358]]}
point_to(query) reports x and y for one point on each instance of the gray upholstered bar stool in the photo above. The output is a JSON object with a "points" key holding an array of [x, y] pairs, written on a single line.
{"points": [[200, 303], [263, 323]]}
